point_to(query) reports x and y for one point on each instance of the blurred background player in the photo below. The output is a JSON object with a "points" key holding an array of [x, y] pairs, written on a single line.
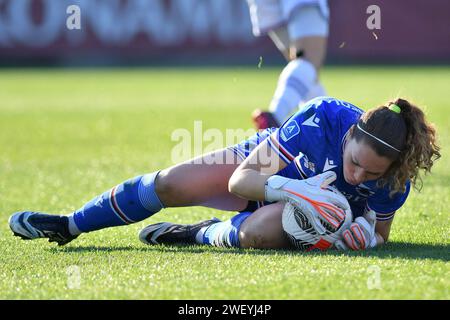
{"points": [[299, 29]]}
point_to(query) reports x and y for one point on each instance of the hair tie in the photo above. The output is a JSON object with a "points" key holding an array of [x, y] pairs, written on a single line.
{"points": [[395, 108]]}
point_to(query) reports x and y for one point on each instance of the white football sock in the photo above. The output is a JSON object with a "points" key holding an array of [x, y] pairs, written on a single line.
{"points": [[73, 229], [199, 235], [294, 84], [316, 91]]}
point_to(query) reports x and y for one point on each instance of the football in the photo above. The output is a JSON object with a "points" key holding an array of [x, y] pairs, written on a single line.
{"points": [[301, 233]]}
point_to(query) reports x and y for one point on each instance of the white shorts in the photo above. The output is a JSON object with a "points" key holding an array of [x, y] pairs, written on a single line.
{"points": [[301, 17]]}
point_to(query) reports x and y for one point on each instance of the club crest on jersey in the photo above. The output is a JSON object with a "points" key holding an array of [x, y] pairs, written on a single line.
{"points": [[308, 164], [289, 131]]}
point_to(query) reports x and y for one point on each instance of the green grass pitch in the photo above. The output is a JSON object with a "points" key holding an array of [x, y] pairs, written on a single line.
{"points": [[67, 135]]}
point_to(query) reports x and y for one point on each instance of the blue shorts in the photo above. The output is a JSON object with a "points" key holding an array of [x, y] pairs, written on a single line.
{"points": [[243, 150]]}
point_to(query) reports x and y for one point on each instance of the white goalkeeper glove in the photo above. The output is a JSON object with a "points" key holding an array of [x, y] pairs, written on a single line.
{"points": [[312, 197], [360, 235]]}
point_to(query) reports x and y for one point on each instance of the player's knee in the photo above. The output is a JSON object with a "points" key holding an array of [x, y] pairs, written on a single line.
{"points": [[166, 186], [253, 235], [249, 237], [264, 229]]}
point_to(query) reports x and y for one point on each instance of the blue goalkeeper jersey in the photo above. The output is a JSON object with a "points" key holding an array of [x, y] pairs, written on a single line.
{"points": [[312, 141]]}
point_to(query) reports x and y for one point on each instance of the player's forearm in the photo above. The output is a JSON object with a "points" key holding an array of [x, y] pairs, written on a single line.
{"points": [[380, 239], [248, 184], [382, 231]]}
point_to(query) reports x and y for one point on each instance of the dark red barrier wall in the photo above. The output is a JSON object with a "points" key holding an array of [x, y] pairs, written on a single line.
{"points": [[197, 31], [410, 30]]}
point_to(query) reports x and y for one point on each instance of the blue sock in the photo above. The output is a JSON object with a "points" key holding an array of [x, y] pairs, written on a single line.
{"points": [[131, 201], [226, 233]]}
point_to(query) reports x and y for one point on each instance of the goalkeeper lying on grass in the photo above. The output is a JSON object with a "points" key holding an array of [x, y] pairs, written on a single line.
{"points": [[369, 157]]}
